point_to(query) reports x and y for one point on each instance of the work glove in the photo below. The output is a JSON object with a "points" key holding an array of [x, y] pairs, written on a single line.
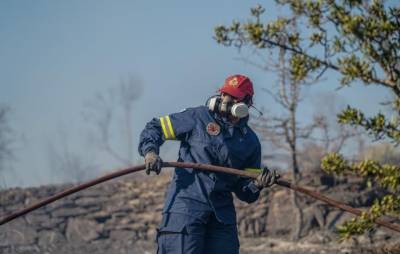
{"points": [[153, 162], [267, 178]]}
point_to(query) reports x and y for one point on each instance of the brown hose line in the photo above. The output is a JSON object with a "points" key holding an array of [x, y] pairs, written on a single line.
{"points": [[200, 166]]}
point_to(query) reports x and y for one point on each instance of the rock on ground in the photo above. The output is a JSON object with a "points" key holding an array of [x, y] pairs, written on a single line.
{"points": [[121, 216]]}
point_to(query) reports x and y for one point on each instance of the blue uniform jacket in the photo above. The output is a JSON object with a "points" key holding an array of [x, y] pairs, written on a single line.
{"points": [[205, 138]]}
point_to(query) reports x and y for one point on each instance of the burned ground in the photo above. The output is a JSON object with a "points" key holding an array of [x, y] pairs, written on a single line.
{"points": [[121, 216]]}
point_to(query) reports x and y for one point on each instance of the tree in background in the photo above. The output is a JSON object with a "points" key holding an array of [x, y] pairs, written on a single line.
{"points": [[105, 110], [331, 137], [359, 40], [66, 163], [6, 141], [285, 131], [110, 115]]}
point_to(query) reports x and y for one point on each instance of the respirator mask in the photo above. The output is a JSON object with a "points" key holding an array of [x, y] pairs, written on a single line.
{"points": [[225, 108]]}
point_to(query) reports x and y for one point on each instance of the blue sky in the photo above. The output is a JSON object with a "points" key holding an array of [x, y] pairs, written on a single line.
{"points": [[55, 55]]}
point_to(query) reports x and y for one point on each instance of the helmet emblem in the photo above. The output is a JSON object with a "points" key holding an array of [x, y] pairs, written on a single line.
{"points": [[213, 129], [234, 82]]}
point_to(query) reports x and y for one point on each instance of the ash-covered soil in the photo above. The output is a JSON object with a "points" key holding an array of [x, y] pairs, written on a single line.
{"points": [[121, 216]]}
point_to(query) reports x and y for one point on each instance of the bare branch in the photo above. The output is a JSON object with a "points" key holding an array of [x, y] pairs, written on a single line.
{"points": [[275, 97], [101, 112], [67, 165]]}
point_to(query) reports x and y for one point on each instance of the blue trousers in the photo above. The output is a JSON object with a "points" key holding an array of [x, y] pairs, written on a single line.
{"points": [[184, 234]]}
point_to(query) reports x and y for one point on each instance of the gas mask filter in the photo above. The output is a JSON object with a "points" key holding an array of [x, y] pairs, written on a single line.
{"points": [[239, 110]]}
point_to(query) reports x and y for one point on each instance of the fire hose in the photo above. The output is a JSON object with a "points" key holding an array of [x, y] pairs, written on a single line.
{"points": [[199, 166]]}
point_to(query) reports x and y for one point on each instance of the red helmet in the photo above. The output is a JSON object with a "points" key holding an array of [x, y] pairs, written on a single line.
{"points": [[238, 86]]}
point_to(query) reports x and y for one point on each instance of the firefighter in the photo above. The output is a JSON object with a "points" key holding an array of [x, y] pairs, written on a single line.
{"points": [[199, 214]]}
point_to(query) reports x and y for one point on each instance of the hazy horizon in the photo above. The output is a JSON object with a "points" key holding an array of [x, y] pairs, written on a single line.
{"points": [[56, 56]]}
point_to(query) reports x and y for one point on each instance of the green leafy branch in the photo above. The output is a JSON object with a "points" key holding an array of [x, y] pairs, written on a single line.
{"points": [[387, 176], [357, 226], [377, 125], [371, 31]]}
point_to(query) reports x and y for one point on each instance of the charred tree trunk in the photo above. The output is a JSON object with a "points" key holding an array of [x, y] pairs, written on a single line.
{"points": [[296, 233]]}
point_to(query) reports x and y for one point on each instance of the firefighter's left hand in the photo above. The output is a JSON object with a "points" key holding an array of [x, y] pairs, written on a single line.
{"points": [[267, 178], [153, 162]]}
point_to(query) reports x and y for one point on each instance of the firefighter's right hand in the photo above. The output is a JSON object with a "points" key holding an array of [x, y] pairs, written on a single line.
{"points": [[267, 178], [153, 162]]}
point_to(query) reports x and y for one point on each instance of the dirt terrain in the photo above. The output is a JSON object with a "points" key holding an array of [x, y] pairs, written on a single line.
{"points": [[121, 216]]}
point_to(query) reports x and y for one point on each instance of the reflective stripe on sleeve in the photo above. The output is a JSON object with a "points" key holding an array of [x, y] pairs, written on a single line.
{"points": [[166, 126], [171, 130]]}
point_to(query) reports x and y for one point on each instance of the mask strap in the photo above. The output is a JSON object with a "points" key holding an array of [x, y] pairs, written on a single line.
{"points": [[258, 111]]}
